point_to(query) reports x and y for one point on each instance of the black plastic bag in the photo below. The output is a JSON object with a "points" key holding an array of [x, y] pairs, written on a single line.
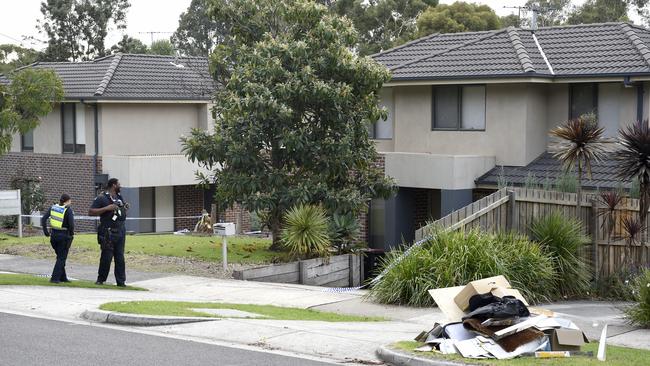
{"points": [[505, 307]]}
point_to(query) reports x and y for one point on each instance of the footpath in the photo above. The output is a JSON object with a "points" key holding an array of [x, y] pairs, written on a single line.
{"points": [[350, 342]]}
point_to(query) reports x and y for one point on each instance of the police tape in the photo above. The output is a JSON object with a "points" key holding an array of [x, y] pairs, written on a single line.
{"points": [[96, 218], [390, 266]]}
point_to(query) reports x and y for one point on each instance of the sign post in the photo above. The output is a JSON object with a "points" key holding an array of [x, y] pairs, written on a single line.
{"points": [[224, 229], [10, 205]]}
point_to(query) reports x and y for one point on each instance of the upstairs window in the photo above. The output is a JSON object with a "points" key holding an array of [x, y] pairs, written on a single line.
{"points": [[27, 141], [73, 128], [583, 98], [383, 129], [458, 108]]}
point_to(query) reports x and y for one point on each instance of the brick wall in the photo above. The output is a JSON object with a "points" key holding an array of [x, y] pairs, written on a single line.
{"points": [[71, 174], [239, 216], [362, 218], [188, 201], [422, 207]]}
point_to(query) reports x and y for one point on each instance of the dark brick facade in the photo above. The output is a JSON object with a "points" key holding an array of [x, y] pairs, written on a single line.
{"points": [[239, 216], [188, 201], [71, 174], [422, 207]]}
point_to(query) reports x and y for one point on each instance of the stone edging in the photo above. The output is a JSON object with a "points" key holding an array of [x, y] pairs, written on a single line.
{"points": [[103, 316], [400, 358]]}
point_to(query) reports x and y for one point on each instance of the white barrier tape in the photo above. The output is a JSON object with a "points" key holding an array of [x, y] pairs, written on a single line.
{"points": [[128, 218]]}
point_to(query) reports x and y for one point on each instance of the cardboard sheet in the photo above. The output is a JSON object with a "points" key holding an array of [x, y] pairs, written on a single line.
{"points": [[444, 298]]}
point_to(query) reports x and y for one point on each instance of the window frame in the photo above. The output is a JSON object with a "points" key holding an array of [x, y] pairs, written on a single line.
{"points": [[23, 147], [76, 148], [595, 87], [459, 107]]}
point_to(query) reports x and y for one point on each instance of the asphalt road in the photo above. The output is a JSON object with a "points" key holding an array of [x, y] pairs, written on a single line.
{"points": [[33, 341]]}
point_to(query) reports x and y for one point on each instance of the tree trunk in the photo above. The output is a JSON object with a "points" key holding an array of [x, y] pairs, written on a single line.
{"points": [[274, 226], [579, 193]]}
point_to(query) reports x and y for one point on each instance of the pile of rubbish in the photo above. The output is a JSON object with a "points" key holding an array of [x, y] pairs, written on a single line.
{"points": [[490, 319]]}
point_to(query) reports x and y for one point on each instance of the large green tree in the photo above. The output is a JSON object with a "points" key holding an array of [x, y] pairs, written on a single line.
{"points": [[600, 11], [30, 95], [382, 24], [76, 29], [128, 45], [457, 17], [293, 112], [162, 47], [197, 33], [550, 12], [13, 57]]}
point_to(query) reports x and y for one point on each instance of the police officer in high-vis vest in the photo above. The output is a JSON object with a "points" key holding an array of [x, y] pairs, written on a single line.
{"points": [[62, 232]]}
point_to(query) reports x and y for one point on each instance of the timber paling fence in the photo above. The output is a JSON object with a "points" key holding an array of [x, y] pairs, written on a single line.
{"points": [[515, 209]]}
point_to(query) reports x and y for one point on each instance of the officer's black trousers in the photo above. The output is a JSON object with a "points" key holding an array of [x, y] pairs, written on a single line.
{"points": [[113, 247], [60, 241]]}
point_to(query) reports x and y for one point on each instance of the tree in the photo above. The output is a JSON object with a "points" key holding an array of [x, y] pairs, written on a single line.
{"points": [[162, 47], [511, 20], [382, 24], [30, 95], [292, 113], [129, 45], [197, 33], [551, 12], [457, 17], [13, 57], [76, 29], [600, 11], [577, 144]]}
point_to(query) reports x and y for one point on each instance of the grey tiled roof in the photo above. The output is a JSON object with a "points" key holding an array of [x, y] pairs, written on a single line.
{"points": [[571, 51], [134, 77], [547, 168]]}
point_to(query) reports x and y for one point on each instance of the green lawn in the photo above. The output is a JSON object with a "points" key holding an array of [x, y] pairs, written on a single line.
{"points": [[241, 249], [30, 280], [616, 356], [177, 308]]}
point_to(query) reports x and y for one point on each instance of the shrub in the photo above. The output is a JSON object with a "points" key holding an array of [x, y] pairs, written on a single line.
{"points": [[562, 238], [639, 313], [618, 286], [305, 234], [567, 183], [456, 258], [345, 231]]}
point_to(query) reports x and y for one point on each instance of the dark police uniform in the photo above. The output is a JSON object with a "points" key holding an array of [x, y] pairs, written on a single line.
{"points": [[111, 237], [62, 227]]}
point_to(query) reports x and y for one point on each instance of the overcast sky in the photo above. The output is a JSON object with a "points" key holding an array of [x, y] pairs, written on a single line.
{"points": [[19, 18]]}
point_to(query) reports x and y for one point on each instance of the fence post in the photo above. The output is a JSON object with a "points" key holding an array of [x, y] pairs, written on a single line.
{"points": [[20, 218], [594, 237], [511, 217], [302, 272]]}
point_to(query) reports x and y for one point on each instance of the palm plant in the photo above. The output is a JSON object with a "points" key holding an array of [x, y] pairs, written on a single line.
{"points": [[610, 200], [306, 232], [633, 158], [633, 231], [577, 144]]}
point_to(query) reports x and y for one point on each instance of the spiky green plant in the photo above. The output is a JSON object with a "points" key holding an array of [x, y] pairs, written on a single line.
{"points": [[566, 182], [305, 233], [577, 144], [531, 181], [633, 233], [563, 239], [639, 313], [344, 230], [453, 258]]}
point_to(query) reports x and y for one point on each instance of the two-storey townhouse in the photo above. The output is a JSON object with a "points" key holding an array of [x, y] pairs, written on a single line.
{"points": [[122, 116], [463, 105]]}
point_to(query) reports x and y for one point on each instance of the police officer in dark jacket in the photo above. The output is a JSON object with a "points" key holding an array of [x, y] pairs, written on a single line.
{"points": [[111, 209], [62, 224]]}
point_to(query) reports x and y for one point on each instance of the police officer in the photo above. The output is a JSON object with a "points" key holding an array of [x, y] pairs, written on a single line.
{"points": [[62, 224], [111, 209]]}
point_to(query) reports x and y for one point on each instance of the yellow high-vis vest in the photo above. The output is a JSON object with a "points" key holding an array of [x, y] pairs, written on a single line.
{"points": [[57, 212]]}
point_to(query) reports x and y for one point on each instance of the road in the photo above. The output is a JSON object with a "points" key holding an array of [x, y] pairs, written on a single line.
{"points": [[34, 341]]}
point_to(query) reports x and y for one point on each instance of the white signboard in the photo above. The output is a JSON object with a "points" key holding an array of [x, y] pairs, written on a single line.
{"points": [[10, 203]]}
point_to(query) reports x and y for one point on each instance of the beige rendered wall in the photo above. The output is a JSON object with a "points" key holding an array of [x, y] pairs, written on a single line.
{"points": [[536, 131], [146, 129], [504, 136], [47, 136]]}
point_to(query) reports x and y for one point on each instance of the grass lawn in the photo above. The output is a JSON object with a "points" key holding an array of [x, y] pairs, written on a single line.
{"points": [[241, 249], [616, 356], [29, 280], [177, 308]]}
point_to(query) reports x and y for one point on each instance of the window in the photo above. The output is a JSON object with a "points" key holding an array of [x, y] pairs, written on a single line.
{"points": [[583, 98], [383, 129], [73, 128], [458, 108], [27, 141]]}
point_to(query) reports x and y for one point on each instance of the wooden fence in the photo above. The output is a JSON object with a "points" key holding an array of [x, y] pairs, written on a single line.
{"points": [[515, 209], [337, 271]]}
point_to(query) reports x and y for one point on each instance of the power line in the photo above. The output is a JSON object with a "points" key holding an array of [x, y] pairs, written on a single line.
{"points": [[12, 38], [152, 33]]}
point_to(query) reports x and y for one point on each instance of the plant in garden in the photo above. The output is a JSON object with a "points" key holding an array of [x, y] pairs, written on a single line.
{"points": [[32, 196], [633, 232], [577, 144], [639, 313], [566, 182], [292, 112], [345, 231], [531, 181], [610, 200], [454, 258], [306, 232], [562, 238]]}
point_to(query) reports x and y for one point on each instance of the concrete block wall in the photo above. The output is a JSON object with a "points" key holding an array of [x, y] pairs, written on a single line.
{"points": [[70, 173]]}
